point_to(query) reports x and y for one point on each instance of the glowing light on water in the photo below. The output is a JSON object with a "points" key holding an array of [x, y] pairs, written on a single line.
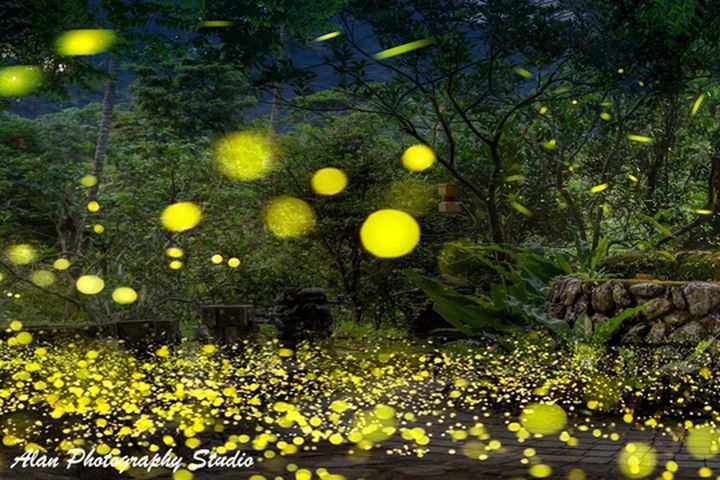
{"points": [[19, 80], [390, 233], [85, 42], [244, 156], [418, 158], [329, 181], [289, 217], [181, 216], [401, 49], [90, 284]]}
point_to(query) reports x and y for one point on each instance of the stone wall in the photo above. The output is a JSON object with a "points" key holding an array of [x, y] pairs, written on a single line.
{"points": [[677, 312]]}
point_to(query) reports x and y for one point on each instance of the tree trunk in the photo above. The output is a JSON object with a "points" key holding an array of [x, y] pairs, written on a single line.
{"points": [[105, 121], [278, 88]]}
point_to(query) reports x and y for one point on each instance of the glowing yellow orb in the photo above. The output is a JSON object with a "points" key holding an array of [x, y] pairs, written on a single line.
{"points": [[703, 442], [216, 259], [234, 262], [124, 295], [181, 216], [543, 418], [174, 252], [61, 264], [24, 338], [390, 233], [16, 325], [176, 264], [19, 80], [637, 460], [244, 155], [98, 229], [21, 254], [90, 284], [88, 181], [418, 158], [329, 181], [42, 278], [93, 206], [85, 42], [289, 217]]}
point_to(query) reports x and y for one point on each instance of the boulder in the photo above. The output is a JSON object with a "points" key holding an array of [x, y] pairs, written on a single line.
{"points": [[647, 290], [691, 332], [676, 319], [602, 298], [678, 299], [570, 291], [702, 298], [621, 296], [657, 308], [657, 333]]}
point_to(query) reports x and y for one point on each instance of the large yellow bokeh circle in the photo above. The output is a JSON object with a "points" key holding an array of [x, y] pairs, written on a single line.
{"points": [[390, 233], [90, 284], [19, 80], [418, 158], [85, 42], [543, 418], [289, 217], [329, 181], [124, 295], [181, 216], [244, 156]]}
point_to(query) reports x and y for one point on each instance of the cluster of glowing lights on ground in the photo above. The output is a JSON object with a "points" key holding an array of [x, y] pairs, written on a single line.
{"points": [[98, 395]]}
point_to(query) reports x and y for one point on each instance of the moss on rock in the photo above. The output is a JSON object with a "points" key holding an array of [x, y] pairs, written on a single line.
{"points": [[687, 265]]}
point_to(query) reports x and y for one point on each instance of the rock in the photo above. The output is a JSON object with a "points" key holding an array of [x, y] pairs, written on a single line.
{"points": [[647, 290], [602, 298], [657, 308], [711, 323], [621, 296], [675, 319], [556, 310], [678, 299], [570, 291], [691, 333], [657, 333], [702, 298], [636, 334]]}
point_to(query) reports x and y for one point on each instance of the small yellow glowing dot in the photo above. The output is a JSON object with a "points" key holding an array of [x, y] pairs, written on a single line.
{"points": [[19, 80], [61, 264], [418, 158], [42, 278], [93, 206], [124, 295], [16, 326], [181, 216], [217, 259], [704, 472], [174, 252], [90, 284], [85, 42], [244, 155], [390, 233], [97, 228], [176, 265], [21, 254], [605, 116], [329, 181], [289, 217], [234, 262], [88, 181]]}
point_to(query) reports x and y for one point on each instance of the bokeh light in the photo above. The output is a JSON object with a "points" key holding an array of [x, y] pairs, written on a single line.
{"points": [[61, 264], [174, 252], [411, 195], [181, 216], [401, 49], [21, 254], [329, 181], [289, 217], [244, 155], [124, 295], [88, 181], [703, 442], [97, 228], [234, 262], [85, 42], [217, 259], [42, 278], [637, 460], [418, 158], [176, 265], [390, 233], [90, 284], [543, 418], [93, 206], [19, 80]]}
